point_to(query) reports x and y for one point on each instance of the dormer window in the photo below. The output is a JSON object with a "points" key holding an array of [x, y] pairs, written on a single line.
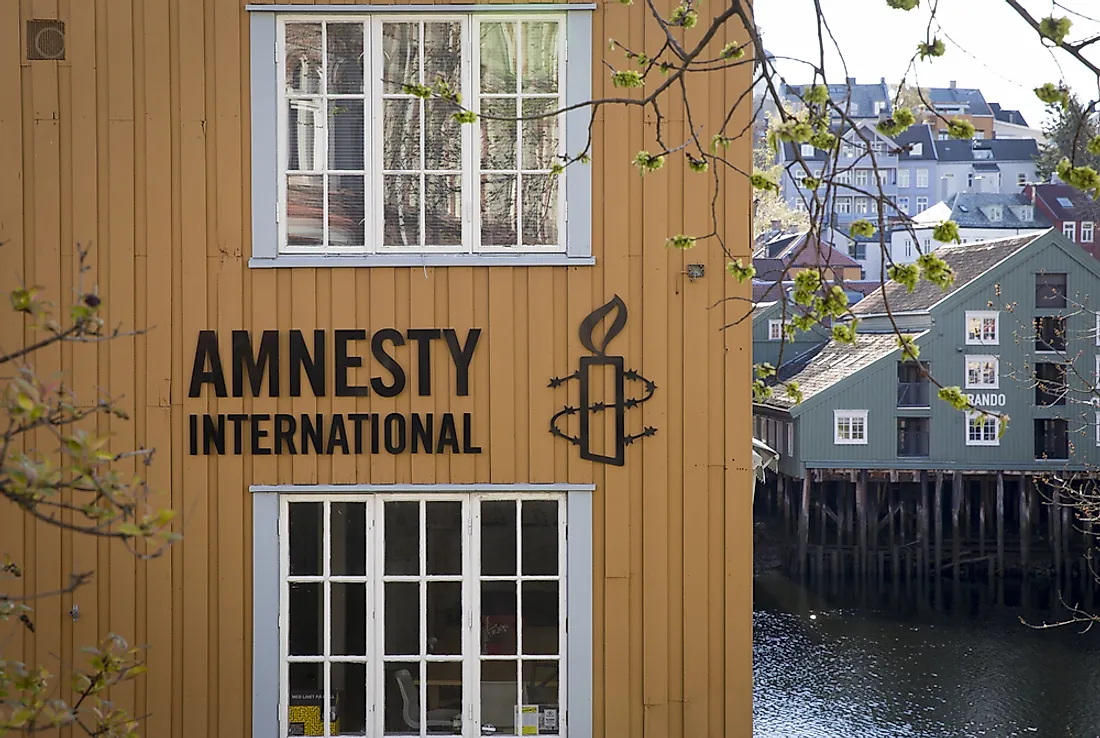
{"points": [[995, 213], [917, 149], [879, 106], [983, 154], [1026, 213]]}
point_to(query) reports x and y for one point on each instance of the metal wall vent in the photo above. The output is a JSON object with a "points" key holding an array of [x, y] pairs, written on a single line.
{"points": [[45, 40]]}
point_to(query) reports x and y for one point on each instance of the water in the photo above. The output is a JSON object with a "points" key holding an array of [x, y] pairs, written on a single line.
{"points": [[826, 668]]}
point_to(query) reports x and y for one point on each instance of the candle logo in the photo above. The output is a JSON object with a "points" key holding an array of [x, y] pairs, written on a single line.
{"points": [[593, 370]]}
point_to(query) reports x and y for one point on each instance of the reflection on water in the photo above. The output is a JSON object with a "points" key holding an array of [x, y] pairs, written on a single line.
{"points": [[827, 669]]}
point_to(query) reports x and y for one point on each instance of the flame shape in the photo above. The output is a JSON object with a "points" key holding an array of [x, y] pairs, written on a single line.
{"points": [[588, 325]]}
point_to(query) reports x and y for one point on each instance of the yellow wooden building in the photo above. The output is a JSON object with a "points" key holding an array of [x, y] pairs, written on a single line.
{"points": [[456, 442]]}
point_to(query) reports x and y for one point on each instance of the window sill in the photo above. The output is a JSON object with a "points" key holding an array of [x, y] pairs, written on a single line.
{"points": [[418, 260]]}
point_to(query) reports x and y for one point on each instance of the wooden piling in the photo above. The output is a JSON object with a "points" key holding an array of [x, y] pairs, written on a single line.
{"points": [[981, 516], [1000, 523], [956, 509], [922, 524], [804, 523], [1025, 523], [937, 519], [861, 523], [1055, 518]]}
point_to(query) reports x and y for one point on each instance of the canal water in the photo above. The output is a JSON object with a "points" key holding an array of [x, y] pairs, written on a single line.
{"points": [[843, 664]]}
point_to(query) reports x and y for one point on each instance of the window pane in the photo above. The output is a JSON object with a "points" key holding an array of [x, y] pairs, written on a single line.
{"points": [[401, 202], [305, 538], [349, 619], [540, 617], [400, 55], [402, 623], [401, 126], [444, 533], [540, 209], [443, 54], [349, 698], [540, 136], [540, 57], [498, 137], [444, 617], [443, 209], [347, 530], [345, 58], [499, 695], [442, 137], [498, 209], [498, 57], [444, 696], [498, 617], [345, 134], [346, 210], [306, 619], [540, 537], [306, 699], [498, 538], [401, 708], [402, 534], [540, 687], [305, 205], [305, 135], [303, 58]]}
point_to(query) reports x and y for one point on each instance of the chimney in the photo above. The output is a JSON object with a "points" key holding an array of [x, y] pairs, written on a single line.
{"points": [[851, 80], [952, 84]]}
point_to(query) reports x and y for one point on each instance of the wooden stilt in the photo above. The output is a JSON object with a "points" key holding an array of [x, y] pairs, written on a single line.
{"points": [[937, 519], [956, 510], [1000, 523], [922, 517], [981, 517], [822, 512], [861, 524], [1025, 526], [1055, 518], [804, 523]]}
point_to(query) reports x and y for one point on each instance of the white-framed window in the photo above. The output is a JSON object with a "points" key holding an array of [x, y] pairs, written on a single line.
{"points": [[884, 177], [1069, 230], [908, 248], [996, 213], [903, 178], [922, 204], [903, 205], [922, 178], [419, 613], [365, 172], [844, 205], [844, 176], [790, 437], [1021, 179], [861, 177], [806, 149], [847, 150], [917, 149], [1098, 429], [982, 327], [982, 372], [862, 205], [775, 330], [1027, 213], [1088, 229], [850, 427], [982, 429]]}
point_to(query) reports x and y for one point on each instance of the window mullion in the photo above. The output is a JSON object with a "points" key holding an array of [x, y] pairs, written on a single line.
{"points": [[323, 163], [423, 636], [471, 162], [471, 664], [326, 679]]}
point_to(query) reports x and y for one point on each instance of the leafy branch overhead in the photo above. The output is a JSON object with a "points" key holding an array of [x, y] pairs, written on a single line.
{"points": [[59, 469]]}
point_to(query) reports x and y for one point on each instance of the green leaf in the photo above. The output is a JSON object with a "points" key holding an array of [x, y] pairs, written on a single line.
{"points": [[903, 4], [947, 232], [927, 50], [740, 271], [627, 78], [1056, 29], [680, 241], [862, 227]]}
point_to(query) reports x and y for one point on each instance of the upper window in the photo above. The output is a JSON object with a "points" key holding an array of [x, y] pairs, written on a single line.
{"points": [[903, 202], [1087, 230], [982, 327], [850, 427], [982, 429], [861, 177], [922, 178], [775, 330], [1021, 179], [844, 205], [922, 204], [1050, 290], [1069, 230], [416, 615], [370, 161], [903, 178], [806, 149], [917, 149], [982, 372]]}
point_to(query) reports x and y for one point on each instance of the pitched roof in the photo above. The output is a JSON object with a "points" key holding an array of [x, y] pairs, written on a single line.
{"points": [[1056, 196], [970, 210], [972, 100], [917, 134], [802, 250], [863, 96], [821, 367], [769, 290], [1014, 117], [1003, 149], [969, 261]]}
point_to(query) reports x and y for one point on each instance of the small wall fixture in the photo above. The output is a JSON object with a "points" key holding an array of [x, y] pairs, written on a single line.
{"points": [[696, 271]]}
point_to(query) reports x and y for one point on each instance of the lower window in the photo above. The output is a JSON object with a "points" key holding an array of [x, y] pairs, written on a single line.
{"points": [[409, 615], [982, 429]]}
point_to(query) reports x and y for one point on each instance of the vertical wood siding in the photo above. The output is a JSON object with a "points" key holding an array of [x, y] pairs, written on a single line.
{"points": [[137, 144]]}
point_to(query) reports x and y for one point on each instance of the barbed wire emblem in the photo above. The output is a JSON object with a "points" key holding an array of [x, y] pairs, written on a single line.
{"points": [[615, 311]]}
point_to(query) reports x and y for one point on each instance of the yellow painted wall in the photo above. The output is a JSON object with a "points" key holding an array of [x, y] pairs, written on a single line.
{"points": [[137, 143]]}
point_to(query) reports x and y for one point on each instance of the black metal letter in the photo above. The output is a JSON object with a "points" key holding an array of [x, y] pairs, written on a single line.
{"points": [[423, 338], [266, 359], [206, 350], [314, 364], [462, 357], [387, 361], [345, 362]]}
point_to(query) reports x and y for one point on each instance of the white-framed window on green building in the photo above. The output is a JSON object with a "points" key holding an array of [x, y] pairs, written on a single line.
{"points": [[404, 613], [982, 327], [775, 330], [850, 427], [982, 429], [982, 372], [367, 163]]}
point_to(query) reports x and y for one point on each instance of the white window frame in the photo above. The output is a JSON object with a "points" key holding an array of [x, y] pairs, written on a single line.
{"points": [[982, 358], [1069, 230], [917, 149], [775, 330], [1021, 179], [806, 149], [903, 205], [1088, 231], [861, 205], [922, 178], [1098, 429], [981, 316], [790, 437], [983, 439], [268, 110], [922, 205], [844, 205], [270, 598], [903, 179], [849, 416], [861, 177]]}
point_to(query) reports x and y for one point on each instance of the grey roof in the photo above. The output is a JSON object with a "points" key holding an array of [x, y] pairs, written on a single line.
{"points": [[986, 166], [968, 261], [972, 100], [821, 367], [922, 134], [1004, 149], [1008, 116], [966, 210], [863, 96]]}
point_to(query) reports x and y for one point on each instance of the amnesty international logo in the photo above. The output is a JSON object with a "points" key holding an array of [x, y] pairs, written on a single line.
{"points": [[591, 374]]}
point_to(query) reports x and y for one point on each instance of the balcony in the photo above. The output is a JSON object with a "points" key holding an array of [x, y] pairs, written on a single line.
{"points": [[913, 394]]}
